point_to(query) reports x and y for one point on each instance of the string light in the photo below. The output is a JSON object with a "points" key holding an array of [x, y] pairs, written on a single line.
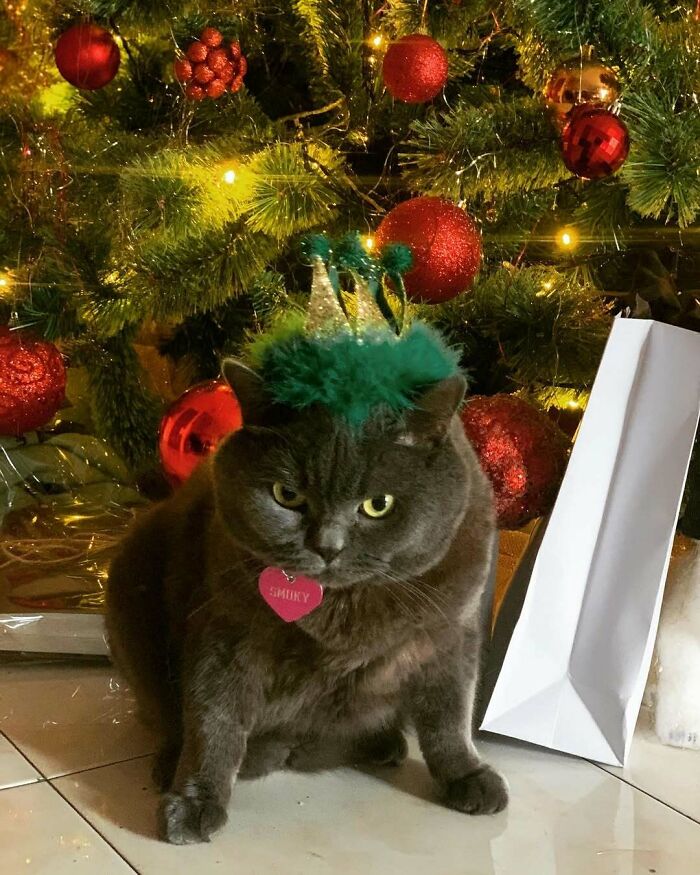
{"points": [[376, 41], [368, 243], [567, 238], [229, 176], [5, 284]]}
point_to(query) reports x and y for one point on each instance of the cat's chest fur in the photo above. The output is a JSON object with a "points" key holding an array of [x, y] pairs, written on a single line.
{"points": [[313, 686]]}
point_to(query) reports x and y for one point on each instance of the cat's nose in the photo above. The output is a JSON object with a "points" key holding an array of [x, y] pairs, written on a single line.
{"points": [[327, 542]]}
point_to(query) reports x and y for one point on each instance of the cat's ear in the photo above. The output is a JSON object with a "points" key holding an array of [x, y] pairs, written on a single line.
{"points": [[248, 388], [434, 409]]}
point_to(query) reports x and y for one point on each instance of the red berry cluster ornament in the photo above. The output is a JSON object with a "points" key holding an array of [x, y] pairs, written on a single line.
{"points": [[32, 381], [523, 453], [211, 68], [87, 56], [594, 142], [415, 68], [193, 426], [445, 243]]}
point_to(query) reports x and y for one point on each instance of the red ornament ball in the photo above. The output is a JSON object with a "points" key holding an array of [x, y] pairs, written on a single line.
{"points": [[197, 52], [194, 425], [202, 74], [216, 88], [594, 142], [32, 381], [445, 243], [87, 56], [415, 68], [521, 450], [210, 36]]}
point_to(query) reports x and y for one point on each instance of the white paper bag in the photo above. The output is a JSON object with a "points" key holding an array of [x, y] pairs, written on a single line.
{"points": [[575, 669]]}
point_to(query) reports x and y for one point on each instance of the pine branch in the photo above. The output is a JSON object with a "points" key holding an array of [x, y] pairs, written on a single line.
{"points": [[544, 327], [289, 193], [123, 411], [663, 170], [500, 148]]}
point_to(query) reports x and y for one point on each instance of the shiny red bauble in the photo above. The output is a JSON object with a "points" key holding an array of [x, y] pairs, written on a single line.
{"points": [[523, 453], [194, 425], [415, 68], [444, 241], [32, 381], [594, 142], [87, 56]]}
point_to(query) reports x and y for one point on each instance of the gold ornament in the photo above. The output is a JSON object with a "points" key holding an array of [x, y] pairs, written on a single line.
{"points": [[581, 81], [368, 314], [325, 312]]}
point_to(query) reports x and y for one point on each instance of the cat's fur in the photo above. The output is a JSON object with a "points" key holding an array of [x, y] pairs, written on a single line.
{"points": [[233, 689]]}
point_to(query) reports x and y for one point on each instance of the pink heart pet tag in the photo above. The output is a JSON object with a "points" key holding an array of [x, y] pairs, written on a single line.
{"points": [[289, 597]]}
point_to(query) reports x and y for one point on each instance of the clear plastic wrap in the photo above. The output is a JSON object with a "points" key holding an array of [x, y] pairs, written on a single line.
{"points": [[65, 502]]}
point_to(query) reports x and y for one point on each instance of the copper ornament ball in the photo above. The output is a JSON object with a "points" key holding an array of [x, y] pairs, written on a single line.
{"points": [[579, 82]]}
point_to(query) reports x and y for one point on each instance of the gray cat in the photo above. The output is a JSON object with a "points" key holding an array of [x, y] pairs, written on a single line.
{"points": [[395, 521]]}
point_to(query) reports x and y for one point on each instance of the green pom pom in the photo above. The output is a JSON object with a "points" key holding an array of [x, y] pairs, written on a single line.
{"points": [[352, 377], [397, 259], [349, 254], [315, 246]]}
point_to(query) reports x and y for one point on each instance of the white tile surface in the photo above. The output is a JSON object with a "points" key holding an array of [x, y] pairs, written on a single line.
{"points": [[567, 817], [40, 834], [667, 773], [14, 768], [66, 717]]}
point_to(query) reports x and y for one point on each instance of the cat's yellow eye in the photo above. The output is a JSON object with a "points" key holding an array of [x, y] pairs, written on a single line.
{"points": [[287, 497], [377, 507]]}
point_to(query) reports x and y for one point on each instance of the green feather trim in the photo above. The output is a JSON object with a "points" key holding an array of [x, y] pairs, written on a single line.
{"points": [[353, 375]]}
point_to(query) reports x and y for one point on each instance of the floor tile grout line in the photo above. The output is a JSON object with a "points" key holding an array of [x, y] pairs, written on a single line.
{"points": [[93, 827], [25, 757], [646, 793], [140, 756]]}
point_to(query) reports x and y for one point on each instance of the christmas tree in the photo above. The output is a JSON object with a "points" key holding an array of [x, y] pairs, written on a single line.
{"points": [[162, 161]]}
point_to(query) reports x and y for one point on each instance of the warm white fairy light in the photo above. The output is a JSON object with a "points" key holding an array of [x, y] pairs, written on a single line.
{"points": [[567, 238]]}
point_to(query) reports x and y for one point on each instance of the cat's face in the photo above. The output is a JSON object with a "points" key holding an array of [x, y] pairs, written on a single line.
{"points": [[310, 496]]}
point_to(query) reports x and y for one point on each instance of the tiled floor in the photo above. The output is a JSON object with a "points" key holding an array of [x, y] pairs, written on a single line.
{"points": [[75, 796]]}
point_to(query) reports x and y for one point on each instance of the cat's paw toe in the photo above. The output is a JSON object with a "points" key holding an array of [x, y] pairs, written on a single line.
{"points": [[186, 820], [483, 791]]}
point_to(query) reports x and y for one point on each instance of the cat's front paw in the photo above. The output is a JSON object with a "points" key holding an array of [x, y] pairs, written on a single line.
{"points": [[482, 791], [189, 819]]}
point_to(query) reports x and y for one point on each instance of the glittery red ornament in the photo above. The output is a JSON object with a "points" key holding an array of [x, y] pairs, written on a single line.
{"points": [[87, 56], [211, 67], [210, 36], [445, 243], [32, 381], [594, 142], [194, 425], [415, 68], [521, 450], [197, 52]]}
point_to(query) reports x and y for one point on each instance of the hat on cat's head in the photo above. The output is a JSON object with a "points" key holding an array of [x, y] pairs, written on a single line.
{"points": [[350, 352]]}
